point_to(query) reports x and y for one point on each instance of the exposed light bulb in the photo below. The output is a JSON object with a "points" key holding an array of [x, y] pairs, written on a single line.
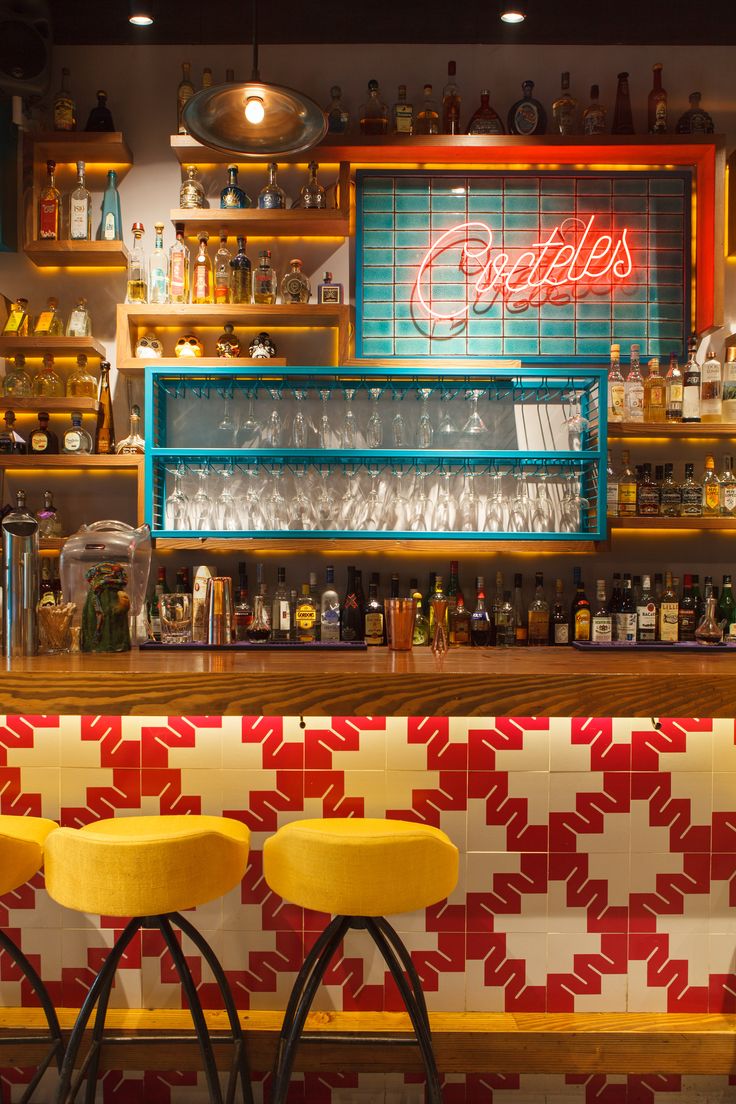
{"points": [[254, 110], [141, 20], [141, 13], [512, 14]]}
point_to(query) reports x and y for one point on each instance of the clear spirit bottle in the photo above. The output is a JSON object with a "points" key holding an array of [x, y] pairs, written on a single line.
{"points": [[191, 193], [232, 195], [615, 387], [281, 608], [312, 195], [691, 385], [158, 269], [264, 279], [49, 521], [657, 103], [271, 196], [111, 226], [241, 279], [80, 213], [485, 120], [711, 389], [695, 120], [223, 272], [728, 488], [634, 389], [451, 102], [674, 390], [428, 115], [49, 207], [329, 610], [137, 289], [402, 114], [373, 113], [565, 109], [202, 279], [80, 321], [49, 322], [76, 439], [17, 382], [184, 92], [133, 444], [538, 616], [47, 382], [338, 117], [527, 116], [81, 383], [179, 264], [295, 287], [594, 115]]}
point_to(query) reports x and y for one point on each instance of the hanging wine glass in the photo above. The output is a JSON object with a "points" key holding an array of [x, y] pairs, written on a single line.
{"points": [[519, 507], [202, 519], [398, 426], [475, 424], [399, 503], [254, 518], [542, 511], [443, 509], [279, 519], [349, 425], [496, 506], [226, 428], [250, 430], [425, 431], [176, 510], [374, 430], [299, 427], [325, 432], [226, 511], [446, 429], [301, 511], [374, 511], [351, 510], [325, 507], [468, 505], [573, 506], [274, 429], [575, 422], [421, 513]]}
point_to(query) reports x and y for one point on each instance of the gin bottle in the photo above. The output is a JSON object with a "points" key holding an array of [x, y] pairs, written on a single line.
{"points": [[191, 193], [241, 280], [264, 279], [485, 120], [223, 258], [137, 290], [295, 287], [179, 264], [49, 207], [80, 216], [111, 226], [202, 282], [564, 109], [312, 194], [80, 322], [373, 113], [594, 115], [158, 269], [271, 196], [81, 383], [232, 195], [338, 117], [527, 116]]}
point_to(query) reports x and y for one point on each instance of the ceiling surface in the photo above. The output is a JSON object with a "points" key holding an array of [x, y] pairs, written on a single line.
{"points": [[329, 21]]}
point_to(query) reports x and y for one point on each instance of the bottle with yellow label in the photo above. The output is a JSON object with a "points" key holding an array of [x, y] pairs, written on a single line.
{"points": [[305, 616], [711, 489], [580, 615], [626, 487]]}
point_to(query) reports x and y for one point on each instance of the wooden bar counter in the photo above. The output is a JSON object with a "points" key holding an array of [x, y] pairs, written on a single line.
{"points": [[466, 682]]}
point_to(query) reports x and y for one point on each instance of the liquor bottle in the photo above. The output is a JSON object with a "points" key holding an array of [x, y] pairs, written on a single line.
{"points": [[17, 382], [17, 323], [64, 107], [687, 615], [49, 322], [329, 609], [191, 192], [729, 385], [674, 391], [506, 623], [428, 117], [11, 442], [312, 195], [580, 615], [626, 615], [634, 389], [615, 387], [647, 614], [76, 439], [594, 115], [45, 590], [295, 286], [657, 104], [451, 102], [133, 444], [626, 487], [623, 122], [559, 624], [538, 615], [601, 622], [49, 207], [223, 271], [202, 278], [728, 486], [485, 120], [242, 610], [402, 114], [111, 223], [184, 92], [49, 521], [520, 621], [711, 489], [81, 383], [232, 195], [43, 440], [351, 614], [329, 292], [100, 119], [373, 113], [338, 117], [437, 596], [305, 617], [527, 116], [271, 196], [80, 322], [698, 598], [695, 120], [564, 109], [647, 494], [373, 618], [281, 614], [655, 394], [611, 488], [480, 622], [711, 389], [137, 288], [47, 382], [105, 438], [727, 607], [496, 605], [259, 629], [264, 279], [691, 494], [615, 603], [669, 612], [179, 264], [453, 587], [80, 208], [228, 345], [158, 269], [458, 624], [241, 277], [691, 386], [670, 494]]}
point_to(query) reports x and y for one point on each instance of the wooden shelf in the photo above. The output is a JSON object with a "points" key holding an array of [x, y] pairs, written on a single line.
{"points": [[346, 546], [67, 405], [134, 365], [77, 254], [252, 223], [61, 461], [58, 346], [645, 523], [100, 152], [52, 546], [667, 430]]}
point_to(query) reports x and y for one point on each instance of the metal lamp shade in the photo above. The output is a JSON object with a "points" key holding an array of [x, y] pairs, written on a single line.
{"points": [[291, 123]]}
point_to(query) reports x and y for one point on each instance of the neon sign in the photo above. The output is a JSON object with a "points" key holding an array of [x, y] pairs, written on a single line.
{"points": [[575, 255]]}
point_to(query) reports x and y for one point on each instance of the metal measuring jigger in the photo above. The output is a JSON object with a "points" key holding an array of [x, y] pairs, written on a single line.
{"points": [[218, 609]]}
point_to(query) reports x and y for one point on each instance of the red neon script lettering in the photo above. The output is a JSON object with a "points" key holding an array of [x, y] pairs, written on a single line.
{"points": [[573, 255]]}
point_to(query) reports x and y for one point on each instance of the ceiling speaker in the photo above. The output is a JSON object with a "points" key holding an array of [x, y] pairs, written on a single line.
{"points": [[25, 47]]}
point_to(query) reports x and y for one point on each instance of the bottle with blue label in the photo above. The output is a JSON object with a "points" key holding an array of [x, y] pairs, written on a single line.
{"points": [[271, 196]]}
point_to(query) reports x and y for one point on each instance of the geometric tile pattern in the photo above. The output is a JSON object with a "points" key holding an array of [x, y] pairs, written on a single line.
{"points": [[598, 870], [534, 265]]}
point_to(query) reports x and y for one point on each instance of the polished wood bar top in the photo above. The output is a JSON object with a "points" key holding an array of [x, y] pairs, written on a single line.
{"points": [[464, 682]]}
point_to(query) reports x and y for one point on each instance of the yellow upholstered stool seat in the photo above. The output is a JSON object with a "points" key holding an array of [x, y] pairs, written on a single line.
{"points": [[147, 865], [360, 867], [22, 842]]}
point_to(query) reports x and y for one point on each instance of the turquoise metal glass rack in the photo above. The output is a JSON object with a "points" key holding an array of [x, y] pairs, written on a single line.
{"points": [[376, 452]]}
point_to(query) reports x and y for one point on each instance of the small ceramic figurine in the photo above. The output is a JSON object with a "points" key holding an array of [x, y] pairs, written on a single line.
{"points": [[228, 345], [188, 346], [262, 347], [105, 616], [149, 347]]}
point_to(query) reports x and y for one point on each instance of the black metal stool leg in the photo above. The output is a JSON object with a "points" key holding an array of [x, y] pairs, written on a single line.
{"points": [[240, 1061], [419, 1023], [102, 982], [92, 1060], [307, 982], [404, 957], [195, 1008]]}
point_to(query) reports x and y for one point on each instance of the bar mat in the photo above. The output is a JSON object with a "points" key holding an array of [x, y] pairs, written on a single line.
{"points": [[657, 646], [258, 646]]}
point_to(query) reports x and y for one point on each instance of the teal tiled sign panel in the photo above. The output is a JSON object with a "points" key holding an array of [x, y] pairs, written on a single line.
{"points": [[554, 265]]}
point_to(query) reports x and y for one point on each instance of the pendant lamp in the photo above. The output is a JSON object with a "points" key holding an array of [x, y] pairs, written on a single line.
{"points": [[254, 119]]}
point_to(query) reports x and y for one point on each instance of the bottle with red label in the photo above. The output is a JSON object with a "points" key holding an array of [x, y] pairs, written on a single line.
{"points": [[49, 207]]}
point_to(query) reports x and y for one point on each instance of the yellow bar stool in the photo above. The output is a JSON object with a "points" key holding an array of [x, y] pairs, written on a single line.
{"points": [[22, 841], [358, 870], [149, 868]]}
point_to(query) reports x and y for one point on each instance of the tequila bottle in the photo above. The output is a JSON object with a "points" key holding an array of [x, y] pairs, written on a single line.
{"points": [[202, 281], [655, 394], [695, 120], [137, 289], [80, 212], [312, 194], [191, 192], [133, 444], [100, 117], [327, 291], [49, 522], [80, 322], [451, 102], [49, 322], [228, 345], [527, 116], [623, 122], [657, 103], [158, 269], [711, 387], [485, 120], [373, 113], [271, 196], [338, 117], [634, 389], [674, 390], [43, 439], [729, 385], [49, 207], [402, 114], [105, 437], [728, 488], [692, 494], [76, 439], [711, 489], [295, 287], [17, 323], [232, 195], [223, 272], [47, 381], [615, 387], [65, 109], [81, 383], [10, 440], [594, 115], [111, 225], [538, 615], [428, 116], [241, 279], [17, 381], [179, 264], [184, 92], [264, 279], [564, 109]]}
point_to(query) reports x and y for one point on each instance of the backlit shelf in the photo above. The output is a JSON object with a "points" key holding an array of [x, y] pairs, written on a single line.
{"points": [[252, 223], [136, 365], [77, 254], [67, 405], [100, 151], [35, 461], [58, 346], [653, 430], [348, 546], [650, 523]]}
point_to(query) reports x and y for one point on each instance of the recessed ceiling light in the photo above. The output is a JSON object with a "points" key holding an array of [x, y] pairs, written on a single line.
{"points": [[513, 13], [141, 13]]}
